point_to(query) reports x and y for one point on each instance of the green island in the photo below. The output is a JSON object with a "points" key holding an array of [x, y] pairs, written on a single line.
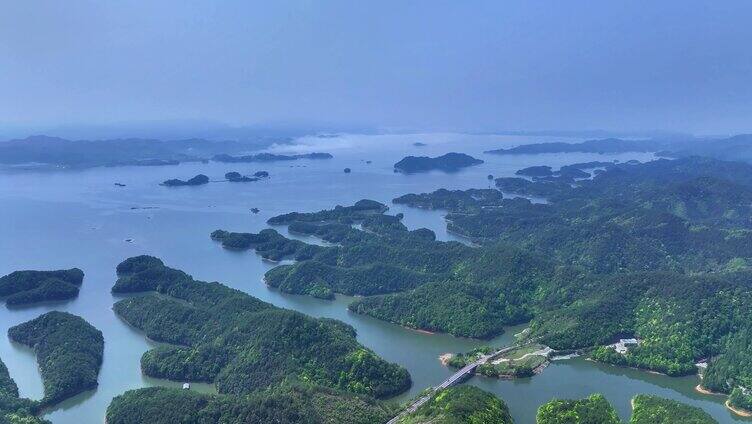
{"points": [[69, 352], [522, 361], [13, 408], [237, 177], [593, 409], [535, 171], [459, 405], [25, 287], [647, 409], [213, 333], [286, 403], [199, 179], [450, 162]]}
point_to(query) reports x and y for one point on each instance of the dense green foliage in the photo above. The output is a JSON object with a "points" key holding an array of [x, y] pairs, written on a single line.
{"points": [[288, 403], [654, 410], [69, 352], [679, 319], [594, 409], [243, 345], [24, 287], [734, 367], [199, 179], [449, 162], [14, 409], [489, 289], [460, 405]]}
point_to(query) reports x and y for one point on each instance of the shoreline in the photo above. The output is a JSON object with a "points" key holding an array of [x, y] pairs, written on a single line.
{"points": [[700, 389], [738, 411]]}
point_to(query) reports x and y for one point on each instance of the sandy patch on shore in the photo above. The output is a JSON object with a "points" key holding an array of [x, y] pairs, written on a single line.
{"points": [[444, 358], [738, 411], [705, 391]]}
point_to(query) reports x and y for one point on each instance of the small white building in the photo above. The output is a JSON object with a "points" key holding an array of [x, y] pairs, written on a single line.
{"points": [[623, 345], [186, 386]]}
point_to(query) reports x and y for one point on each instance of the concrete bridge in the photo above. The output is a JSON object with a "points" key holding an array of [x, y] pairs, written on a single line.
{"points": [[459, 376]]}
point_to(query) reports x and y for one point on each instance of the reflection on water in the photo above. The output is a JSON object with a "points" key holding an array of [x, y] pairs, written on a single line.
{"points": [[52, 220]]}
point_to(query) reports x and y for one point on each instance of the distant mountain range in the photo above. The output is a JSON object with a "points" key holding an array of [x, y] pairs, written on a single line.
{"points": [[737, 148], [65, 153]]}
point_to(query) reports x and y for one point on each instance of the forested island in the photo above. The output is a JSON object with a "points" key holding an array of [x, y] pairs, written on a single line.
{"points": [[535, 171], [69, 352], [590, 410], [287, 403], [647, 409], [595, 409], [26, 287], [450, 162], [199, 179], [237, 177], [217, 334], [518, 362], [460, 404], [269, 157]]}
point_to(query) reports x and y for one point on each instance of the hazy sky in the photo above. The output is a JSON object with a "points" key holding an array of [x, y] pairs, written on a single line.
{"points": [[461, 65]]}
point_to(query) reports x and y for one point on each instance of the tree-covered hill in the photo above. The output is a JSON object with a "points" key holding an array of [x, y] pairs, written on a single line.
{"points": [[595, 409], [225, 336], [647, 409], [69, 352], [460, 405], [294, 403], [382, 256]]}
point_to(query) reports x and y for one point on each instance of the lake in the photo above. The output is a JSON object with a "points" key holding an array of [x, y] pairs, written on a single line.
{"points": [[61, 219]]}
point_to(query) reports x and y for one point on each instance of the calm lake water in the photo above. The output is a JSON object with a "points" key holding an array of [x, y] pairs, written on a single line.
{"points": [[62, 219]]}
